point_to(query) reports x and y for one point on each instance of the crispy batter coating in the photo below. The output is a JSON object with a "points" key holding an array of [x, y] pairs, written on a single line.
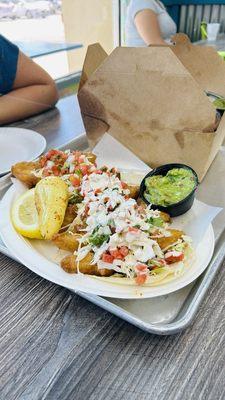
{"points": [[69, 264], [134, 191], [66, 241], [24, 172], [169, 240], [70, 214], [91, 157], [165, 217]]}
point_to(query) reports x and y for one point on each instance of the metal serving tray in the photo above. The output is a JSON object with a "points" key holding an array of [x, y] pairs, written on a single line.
{"points": [[172, 313]]}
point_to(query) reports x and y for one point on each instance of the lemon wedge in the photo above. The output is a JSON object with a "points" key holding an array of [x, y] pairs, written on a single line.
{"points": [[25, 217]]}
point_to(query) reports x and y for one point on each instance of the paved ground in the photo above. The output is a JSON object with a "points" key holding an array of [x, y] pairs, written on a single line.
{"points": [[49, 29]]}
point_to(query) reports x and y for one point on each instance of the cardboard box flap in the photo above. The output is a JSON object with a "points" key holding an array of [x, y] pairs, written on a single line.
{"points": [[204, 63], [94, 57], [143, 89], [149, 101]]}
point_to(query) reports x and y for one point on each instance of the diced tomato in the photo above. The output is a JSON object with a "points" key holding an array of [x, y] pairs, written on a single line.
{"points": [[174, 256], [75, 180], [141, 268], [57, 156], [107, 258], [115, 253], [55, 170], [124, 185], [124, 251], [98, 172], [142, 273], [84, 169], [43, 161], [46, 172], [140, 279], [64, 171], [58, 160], [81, 158], [120, 253], [52, 153]]}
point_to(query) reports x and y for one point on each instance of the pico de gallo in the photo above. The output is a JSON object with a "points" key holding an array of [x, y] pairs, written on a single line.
{"points": [[123, 236], [59, 163], [71, 166]]}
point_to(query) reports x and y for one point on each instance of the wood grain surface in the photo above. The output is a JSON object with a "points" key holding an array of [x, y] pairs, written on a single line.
{"points": [[54, 345], [57, 346]]}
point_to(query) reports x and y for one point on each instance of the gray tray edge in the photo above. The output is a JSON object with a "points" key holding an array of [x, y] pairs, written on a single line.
{"points": [[160, 329]]}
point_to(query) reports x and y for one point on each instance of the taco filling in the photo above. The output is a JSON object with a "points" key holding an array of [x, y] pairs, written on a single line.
{"points": [[122, 238]]}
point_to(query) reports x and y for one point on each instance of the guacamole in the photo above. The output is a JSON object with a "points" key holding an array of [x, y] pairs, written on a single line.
{"points": [[219, 104], [177, 184]]}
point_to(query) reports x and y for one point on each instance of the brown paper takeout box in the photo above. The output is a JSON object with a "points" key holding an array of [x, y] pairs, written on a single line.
{"points": [[152, 100]]}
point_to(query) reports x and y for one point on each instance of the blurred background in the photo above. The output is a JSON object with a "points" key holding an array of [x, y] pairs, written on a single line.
{"points": [[57, 32]]}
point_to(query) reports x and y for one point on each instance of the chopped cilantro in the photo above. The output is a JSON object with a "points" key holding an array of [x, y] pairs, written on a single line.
{"points": [[75, 198], [78, 172], [96, 239]]}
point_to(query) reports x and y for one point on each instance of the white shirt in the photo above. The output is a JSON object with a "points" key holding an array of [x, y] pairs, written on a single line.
{"points": [[166, 23]]}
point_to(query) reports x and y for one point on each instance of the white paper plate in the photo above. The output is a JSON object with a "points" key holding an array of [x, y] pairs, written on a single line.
{"points": [[17, 144], [39, 257]]}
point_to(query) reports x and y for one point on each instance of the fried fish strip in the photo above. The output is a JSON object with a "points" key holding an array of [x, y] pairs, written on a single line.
{"points": [[134, 191], [24, 171], [69, 264], [67, 241], [166, 241], [165, 217], [90, 156], [70, 214]]}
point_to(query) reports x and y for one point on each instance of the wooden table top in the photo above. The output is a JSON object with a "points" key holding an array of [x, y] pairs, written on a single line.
{"points": [[57, 346]]}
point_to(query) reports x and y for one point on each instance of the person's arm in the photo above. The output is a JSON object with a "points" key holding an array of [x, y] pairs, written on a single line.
{"points": [[33, 91], [147, 25]]}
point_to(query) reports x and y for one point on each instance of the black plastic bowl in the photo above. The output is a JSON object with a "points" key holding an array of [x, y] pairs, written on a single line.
{"points": [[177, 208]]}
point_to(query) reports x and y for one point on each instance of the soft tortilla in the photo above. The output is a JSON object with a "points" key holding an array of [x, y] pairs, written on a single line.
{"points": [[156, 280]]}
